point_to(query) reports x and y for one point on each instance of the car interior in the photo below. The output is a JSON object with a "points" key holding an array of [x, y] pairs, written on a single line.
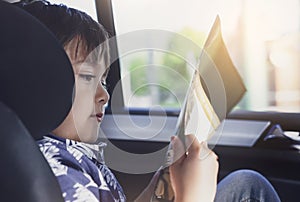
{"points": [[148, 86]]}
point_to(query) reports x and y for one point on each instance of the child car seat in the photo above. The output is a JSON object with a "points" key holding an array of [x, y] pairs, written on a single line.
{"points": [[36, 88]]}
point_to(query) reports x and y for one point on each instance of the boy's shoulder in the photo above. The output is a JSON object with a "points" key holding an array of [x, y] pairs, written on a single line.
{"points": [[57, 153], [74, 165]]}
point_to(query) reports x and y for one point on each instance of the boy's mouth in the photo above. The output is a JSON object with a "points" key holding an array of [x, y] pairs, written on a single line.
{"points": [[99, 117]]}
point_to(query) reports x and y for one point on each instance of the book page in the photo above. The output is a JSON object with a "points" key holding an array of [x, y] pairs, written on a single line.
{"points": [[200, 117], [206, 107]]}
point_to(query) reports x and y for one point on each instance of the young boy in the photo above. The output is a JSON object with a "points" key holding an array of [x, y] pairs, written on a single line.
{"points": [[81, 174]]}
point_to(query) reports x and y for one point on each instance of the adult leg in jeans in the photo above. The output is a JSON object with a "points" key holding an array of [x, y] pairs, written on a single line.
{"points": [[245, 186]]}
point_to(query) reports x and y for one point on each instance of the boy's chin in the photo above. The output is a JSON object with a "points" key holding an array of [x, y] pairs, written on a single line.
{"points": [[91, 139], [89, 136]]}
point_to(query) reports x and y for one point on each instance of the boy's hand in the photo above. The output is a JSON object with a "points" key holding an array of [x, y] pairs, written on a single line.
{"points": [[194, 173]]}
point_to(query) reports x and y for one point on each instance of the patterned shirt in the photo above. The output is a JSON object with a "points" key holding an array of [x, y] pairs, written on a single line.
{"points": [[80, 170]]}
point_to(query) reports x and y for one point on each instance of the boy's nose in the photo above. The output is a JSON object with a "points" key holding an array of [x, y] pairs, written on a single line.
{"points": [[102, 95]]}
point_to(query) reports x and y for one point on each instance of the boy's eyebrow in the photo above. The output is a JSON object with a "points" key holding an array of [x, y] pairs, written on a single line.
{"points": [[93, 65]]}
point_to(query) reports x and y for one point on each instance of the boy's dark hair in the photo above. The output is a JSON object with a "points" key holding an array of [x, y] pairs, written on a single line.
{"points": [[67, 23]]}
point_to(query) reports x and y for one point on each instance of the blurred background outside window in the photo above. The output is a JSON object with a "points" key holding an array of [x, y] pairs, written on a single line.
{"points": [[262, 37]]}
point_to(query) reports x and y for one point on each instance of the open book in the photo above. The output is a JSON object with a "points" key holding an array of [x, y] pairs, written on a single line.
{"points": [[216, 87]]}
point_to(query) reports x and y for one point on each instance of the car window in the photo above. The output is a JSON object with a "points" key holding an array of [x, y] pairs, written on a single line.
{"points": [[262, 38]]}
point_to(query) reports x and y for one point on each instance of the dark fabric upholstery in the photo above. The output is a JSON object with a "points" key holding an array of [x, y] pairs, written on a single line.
{"points": [[36, 77], [25, 174], [36, 88]]}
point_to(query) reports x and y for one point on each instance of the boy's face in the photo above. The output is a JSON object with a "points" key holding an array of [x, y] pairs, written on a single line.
{"points": [[83, 121]]}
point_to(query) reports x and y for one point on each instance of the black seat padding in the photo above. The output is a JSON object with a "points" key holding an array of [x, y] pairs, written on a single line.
{"points": [[36, 76], [36, 89], [25, 174]]}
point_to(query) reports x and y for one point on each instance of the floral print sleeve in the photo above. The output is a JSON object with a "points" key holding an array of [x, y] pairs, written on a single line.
{"points": [[82, 177]]}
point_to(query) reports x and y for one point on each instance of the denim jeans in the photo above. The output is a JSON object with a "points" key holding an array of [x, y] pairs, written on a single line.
{"points": [[245, 186]]}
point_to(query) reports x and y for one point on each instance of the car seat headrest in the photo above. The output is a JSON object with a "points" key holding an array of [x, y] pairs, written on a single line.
{"points": [[36, 76]]}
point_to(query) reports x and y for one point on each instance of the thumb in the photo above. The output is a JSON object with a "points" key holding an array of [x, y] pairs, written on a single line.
{"points": [[178, 150], [193, 146]]}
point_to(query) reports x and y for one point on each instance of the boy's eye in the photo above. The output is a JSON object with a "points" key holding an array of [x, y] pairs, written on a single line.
{"points": [[103, 83], [87, 77]]}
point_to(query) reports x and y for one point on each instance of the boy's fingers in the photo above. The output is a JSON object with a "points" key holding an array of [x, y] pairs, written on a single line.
{"points": [[193, 145], [178, 150], [205, 151], [197, 149]]}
